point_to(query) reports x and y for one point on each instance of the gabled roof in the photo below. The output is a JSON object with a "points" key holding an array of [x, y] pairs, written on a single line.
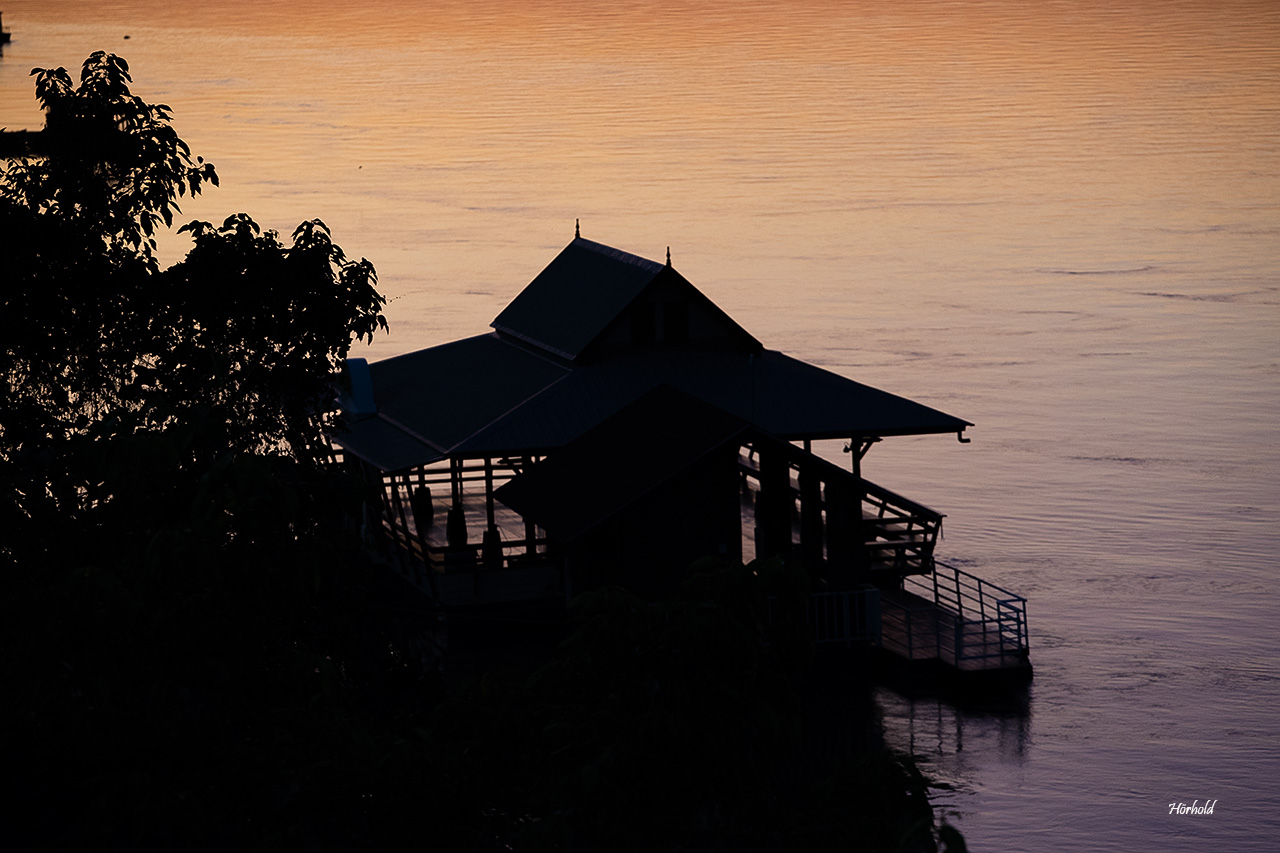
{"points": [[524, 388], [578, 294], [586, 291]]}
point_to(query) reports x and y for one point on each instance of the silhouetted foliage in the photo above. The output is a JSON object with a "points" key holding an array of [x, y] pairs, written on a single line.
{"points": [[115, 167], [183, 601], [231, 350]]}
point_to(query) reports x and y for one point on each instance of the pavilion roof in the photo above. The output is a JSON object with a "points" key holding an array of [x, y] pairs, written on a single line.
{"points": [[524, 388]]}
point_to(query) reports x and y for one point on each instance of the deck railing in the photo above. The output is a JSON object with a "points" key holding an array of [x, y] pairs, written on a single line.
{"points": [[893, 532], [912, 631], [986, 621], [949, 615], [901, 534], [846, 617]]}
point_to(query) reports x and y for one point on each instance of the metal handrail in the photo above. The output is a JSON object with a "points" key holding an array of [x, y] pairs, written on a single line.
{"points": [[845, 616], [981, 609]]}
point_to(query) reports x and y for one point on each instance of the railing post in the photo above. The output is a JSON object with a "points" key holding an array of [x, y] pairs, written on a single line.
{"points": [[937, 634], [871, 600], [848, 626]]}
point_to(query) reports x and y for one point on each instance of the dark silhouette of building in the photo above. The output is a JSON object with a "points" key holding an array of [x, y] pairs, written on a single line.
{"points": [[616, 425]]}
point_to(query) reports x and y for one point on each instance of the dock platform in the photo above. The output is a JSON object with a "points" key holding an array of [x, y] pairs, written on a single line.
{"points": [[948, 623]]}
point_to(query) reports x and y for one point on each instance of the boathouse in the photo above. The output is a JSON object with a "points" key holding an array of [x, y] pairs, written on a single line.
{"points": [[614, 426]]}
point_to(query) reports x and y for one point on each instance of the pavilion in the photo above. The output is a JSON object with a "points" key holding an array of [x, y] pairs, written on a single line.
{"points": [[613, 426]]}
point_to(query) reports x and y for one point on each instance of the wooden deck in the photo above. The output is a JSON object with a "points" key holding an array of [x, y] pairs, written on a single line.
{"points": [[915, 629], [514, 568], [948, 624], [924, 614]]}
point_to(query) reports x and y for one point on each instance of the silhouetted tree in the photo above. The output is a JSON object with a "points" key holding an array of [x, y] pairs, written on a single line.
{"points": [[180, 629], [233, 349]]}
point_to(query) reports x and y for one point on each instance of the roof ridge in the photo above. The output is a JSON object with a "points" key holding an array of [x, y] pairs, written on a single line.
{"points": [[618, 254], [567, 305]]}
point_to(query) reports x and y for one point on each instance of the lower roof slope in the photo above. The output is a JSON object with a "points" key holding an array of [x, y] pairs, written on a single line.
{"points": [[489, 396]]}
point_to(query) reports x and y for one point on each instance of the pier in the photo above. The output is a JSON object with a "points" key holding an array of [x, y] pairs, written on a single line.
{"points": [[615, 428]]}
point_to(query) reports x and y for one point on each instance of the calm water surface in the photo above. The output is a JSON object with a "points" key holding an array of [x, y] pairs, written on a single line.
{"points": [[1060, 221]]}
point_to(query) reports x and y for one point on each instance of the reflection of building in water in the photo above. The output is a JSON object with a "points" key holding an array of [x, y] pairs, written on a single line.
{"points": [[617, 425], [942, 734]]}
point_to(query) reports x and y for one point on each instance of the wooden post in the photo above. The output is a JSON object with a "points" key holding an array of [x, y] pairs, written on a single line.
{"points": [[773, 506], [530, 531], [488, 489], [811, 518]]}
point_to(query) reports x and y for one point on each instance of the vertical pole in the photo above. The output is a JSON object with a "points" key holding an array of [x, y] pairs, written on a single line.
{"points": [[908, 620], [937, 633], [773, 505], [488, 490], [861, 534], [811, 519], [874, 615], [849, 628], [530, 533]]}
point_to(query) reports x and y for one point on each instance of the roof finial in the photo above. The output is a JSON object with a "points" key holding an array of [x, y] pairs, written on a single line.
{"points": [[668, 256], [577, 228]]}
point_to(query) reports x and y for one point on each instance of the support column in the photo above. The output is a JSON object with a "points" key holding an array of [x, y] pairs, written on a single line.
{"points": [[773, 506], [530, 530], [456, 521], [488, 489], [491, 544], [810, 518], [858, 446]]}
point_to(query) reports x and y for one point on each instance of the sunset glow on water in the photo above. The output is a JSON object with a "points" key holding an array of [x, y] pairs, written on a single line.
{"points": [[1060, 222]]}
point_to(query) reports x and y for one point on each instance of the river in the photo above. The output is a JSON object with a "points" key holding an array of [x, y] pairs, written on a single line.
{"points": [[1059, 221]]}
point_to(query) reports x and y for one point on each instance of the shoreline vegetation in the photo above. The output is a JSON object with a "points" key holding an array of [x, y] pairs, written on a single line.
{"points": [[200, 655]]}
